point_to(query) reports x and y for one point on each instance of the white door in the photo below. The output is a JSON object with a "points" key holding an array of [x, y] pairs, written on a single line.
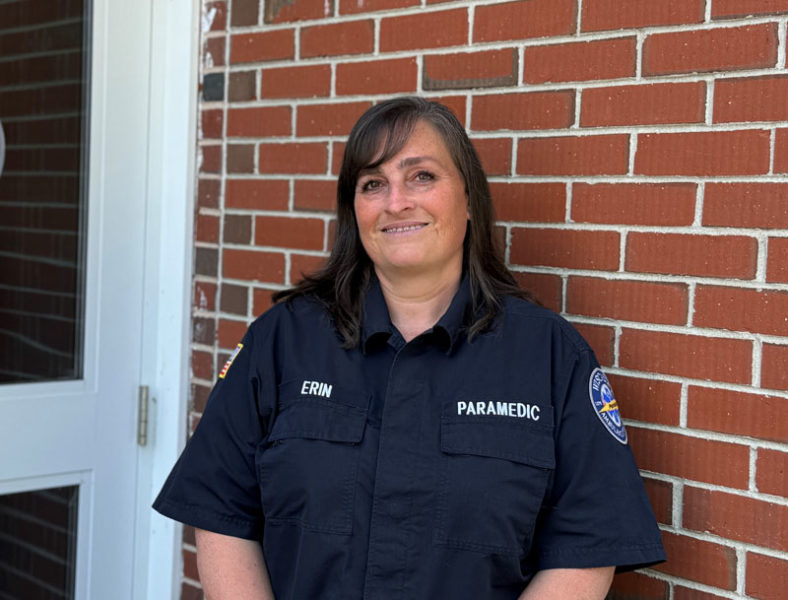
{"points": [[74, 79]]}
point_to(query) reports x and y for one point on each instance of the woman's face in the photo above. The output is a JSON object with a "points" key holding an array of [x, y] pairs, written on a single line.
{"points": [[412, 211]]}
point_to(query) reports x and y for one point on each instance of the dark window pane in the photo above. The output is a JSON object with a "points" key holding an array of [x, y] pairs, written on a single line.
{"points": [[43, 92], [38, 533]]}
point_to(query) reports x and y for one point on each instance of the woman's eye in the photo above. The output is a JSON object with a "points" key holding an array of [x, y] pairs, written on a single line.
{"points": [[370, 185], [424, 176]]}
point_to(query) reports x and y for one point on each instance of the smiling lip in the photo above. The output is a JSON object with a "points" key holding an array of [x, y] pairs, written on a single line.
{"points": [[403, 227]]}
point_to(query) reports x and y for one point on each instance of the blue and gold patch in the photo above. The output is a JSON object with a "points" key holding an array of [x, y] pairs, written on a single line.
{"points": [[605, 405]]}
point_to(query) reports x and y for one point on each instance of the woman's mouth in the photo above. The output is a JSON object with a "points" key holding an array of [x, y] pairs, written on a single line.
{"points": [[403, 228]]}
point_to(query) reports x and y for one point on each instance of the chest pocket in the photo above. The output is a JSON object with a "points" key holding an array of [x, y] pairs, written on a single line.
{"points": [[495, 476], [307, 469]]}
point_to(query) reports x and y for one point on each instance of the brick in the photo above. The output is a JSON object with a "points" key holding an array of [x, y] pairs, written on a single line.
{"points": [[580, 61], [235, 299], [190, 565], [652, 104], [293, 157], [206, 261], [424, 30], [601, 15], [739, 309], [756, 205], [230, 333], [259, 121], [637, 586], [347, 7], [257, 194], [262, 300], [573, 155], [660, 495], [545, 288], [336, 39], [401, 75], [736, 517], [520, 20], [328, 119], [240, 158], [208, 191], [771, 472], [253, 265], [216, 15], [214, 51], [572, 249], [495, 154], [210, 158], [258, 47], [774, 375], [211, 122], [284, 11], [634, 203], [237, 229], [296, 82], [694, 356], [723, 49], [697, 459], [743, 8], [684, 593], [706, 153], [337, 152], [207, 229], [751, 99], [738, 413], [289, 232], [204, 295], [244, 12], [213, 87], [534, 202], [781, 151], [304, 264], [533, 110], [701, 255], [315, 194], [648, 400], [203, 330], [456, 104], [698, 560], [202, 364], [767, 577], [601, 339], [645, 301], [465, 70], [242, 86]]}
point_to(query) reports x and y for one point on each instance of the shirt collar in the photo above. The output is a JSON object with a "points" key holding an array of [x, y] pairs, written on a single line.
{"points": [[377, 327]]}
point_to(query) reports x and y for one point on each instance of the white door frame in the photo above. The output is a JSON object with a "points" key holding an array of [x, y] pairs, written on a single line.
{"points": [[175, 38]]}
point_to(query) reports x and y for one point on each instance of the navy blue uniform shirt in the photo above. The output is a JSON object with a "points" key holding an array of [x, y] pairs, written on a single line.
{"points": [[433, 469]]}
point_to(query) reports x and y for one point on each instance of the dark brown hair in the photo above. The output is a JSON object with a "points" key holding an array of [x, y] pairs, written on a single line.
{"points": [[380, 134]]}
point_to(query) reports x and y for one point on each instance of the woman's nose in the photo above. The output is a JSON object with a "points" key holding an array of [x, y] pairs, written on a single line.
{"points": [[399, 198]]}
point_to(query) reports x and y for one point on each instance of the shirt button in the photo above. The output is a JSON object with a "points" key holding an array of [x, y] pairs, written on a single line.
{"points": [[398, 510]]}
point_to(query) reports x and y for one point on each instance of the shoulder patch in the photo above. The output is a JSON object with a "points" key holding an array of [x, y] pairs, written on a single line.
{"points": [[230, 360], [605, 405]]}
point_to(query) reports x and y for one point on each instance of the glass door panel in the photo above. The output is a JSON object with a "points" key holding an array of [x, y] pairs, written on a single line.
{"points": [[38, 534], [43, 115]]}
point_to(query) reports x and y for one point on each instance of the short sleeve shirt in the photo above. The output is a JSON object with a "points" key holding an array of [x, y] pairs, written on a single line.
{"points": [[439, 468]]}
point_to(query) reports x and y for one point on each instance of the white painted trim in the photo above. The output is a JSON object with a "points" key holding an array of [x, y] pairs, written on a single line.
{"points": [[168, 269]]}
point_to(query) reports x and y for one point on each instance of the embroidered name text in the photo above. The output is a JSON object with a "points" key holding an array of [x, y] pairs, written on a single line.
{"points": [[501, 409], [316, 388]]}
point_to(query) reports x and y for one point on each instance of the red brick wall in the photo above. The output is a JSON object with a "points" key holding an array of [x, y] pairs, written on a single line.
{"points": [[638, 155]]}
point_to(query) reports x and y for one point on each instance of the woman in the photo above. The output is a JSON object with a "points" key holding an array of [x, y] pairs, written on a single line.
{"points": [[405, 423]]}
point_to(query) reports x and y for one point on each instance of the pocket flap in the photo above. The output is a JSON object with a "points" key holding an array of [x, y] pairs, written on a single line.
{"points": [[320, 420], [510, 441]]}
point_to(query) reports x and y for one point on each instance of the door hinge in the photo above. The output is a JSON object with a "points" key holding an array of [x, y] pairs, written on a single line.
{"points": [[142, 415]]}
